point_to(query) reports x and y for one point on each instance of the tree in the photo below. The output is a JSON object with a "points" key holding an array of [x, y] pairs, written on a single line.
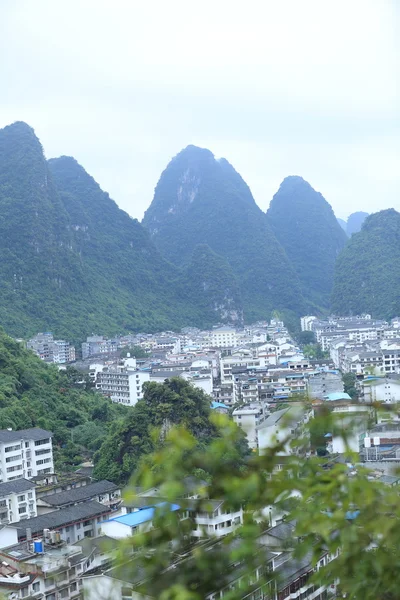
{"points": [[306, 337], [349, 383], [353, 520], [135, 352]]}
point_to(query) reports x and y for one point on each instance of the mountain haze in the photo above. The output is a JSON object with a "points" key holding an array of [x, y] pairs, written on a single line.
{"points": [[355, 222], [305, 224], [367, 275], [201, 200]]}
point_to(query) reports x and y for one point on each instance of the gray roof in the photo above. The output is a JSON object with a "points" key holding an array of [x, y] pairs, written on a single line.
{"points": [[80, 494], [35, 433], [15, 487], [273, 418], [60, 518]]}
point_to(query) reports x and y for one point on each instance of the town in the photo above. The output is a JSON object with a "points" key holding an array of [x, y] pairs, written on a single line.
{"points": [[60, 531]]}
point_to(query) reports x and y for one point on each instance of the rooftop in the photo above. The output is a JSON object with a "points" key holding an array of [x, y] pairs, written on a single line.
{"points": [[58, 518], [15, 487], [79, 494], [143, 515], [35, 433]]}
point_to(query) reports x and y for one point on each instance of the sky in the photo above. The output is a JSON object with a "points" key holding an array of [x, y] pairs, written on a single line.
{"points": [[277, 87]]}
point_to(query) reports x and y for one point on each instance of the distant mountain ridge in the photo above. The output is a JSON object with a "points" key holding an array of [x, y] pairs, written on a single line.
{"points": [[305, 225], [73, 262], [353, 223], [367, 273], [202, 200]]}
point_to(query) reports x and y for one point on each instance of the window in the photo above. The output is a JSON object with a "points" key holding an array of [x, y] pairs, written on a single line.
{"points": [[43, 460], [21, 498], [13, 458], [78, 526], [26, 444], [41, 442], [45, 451], [86, 523], [12, 448], [21, 510], [16, 468], [67, 528]]}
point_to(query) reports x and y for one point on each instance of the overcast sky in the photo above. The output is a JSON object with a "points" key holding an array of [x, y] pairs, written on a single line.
{"points": [[278, 87]]}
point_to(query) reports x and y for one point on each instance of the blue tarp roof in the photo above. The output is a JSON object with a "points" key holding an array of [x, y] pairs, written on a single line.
{"points": [[143, 515], [337, 396], [219, 405]]}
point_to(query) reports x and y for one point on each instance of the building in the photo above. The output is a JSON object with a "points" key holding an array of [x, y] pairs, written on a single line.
{"points": [[51, 350], [281, 427], [381, 389], [105, 492], [72, 523], [25, 453], [324, 382], [97, 344], [248, 418], [17, 501], [122, 383], [223, 337]]}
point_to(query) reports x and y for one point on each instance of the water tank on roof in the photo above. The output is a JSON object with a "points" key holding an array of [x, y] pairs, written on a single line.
{"points": [[38, 547]]}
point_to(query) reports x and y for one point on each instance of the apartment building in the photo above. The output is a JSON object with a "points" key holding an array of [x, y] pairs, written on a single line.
{"points": [[223, 337], [247, 418], [324, 382], [50, 350], [97, 344], [122, 383], [25, 453], [17, 501]]}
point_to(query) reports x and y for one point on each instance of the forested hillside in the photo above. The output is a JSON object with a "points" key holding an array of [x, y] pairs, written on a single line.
{"points": [[307, 228], [35, 394], [201, 200], [367, 271]]}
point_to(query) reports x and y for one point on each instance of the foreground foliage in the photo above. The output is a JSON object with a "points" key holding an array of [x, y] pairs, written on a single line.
{"points": [[352, 519]]}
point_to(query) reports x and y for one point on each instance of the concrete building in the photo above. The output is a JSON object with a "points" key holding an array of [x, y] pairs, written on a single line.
{"points": [[50, 350], [282, 426], [381, 389], [25, 453], [97, 344], [248, 418], [324, 382], [17, 501], [122, 383], [223, 337], [105, 492]]}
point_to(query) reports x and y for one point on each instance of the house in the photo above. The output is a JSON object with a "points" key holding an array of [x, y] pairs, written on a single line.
{"points": [[139, 521], [381, 389], [247, 418], [282, 426], [72, 523], [17, 500], [25, 453], [104, 492]]}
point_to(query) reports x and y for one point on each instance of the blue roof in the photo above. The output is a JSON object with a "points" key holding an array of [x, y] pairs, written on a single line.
{"points": [[143, 515], [337, 396], [219, 405]]}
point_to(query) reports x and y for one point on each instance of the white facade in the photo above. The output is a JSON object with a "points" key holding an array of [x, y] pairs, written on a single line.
{"points": [[247, 418], [25, 453], [17, 501], [123, 384], [223, 337], [381, 390], [306, 322]]}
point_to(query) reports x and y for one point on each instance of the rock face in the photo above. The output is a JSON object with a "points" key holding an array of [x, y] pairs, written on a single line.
{"points": [[367, 271], [72, 261], [305, 225], [342, 223], [218, 284], [202, 200]]}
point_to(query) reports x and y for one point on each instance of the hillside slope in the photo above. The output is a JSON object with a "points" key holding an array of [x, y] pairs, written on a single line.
{"points": [[367, 272], [305, 225], [201, 200]]}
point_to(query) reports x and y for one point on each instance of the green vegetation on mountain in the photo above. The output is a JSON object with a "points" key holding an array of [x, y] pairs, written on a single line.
{"points": [[355, 222], [367, 275], [201, 200], [306, 226], [217, 286], [35, 394], [174, 402], [71, 261]]}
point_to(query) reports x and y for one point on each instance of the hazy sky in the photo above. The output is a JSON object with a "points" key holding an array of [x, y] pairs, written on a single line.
{"points": [[278, 87]]}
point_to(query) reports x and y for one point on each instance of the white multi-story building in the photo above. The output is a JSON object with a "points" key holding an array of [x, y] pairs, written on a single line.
{"points": [[17, 501], [223, 337], [247, 418], [306, 322], [122, 383], [25, 453]]}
